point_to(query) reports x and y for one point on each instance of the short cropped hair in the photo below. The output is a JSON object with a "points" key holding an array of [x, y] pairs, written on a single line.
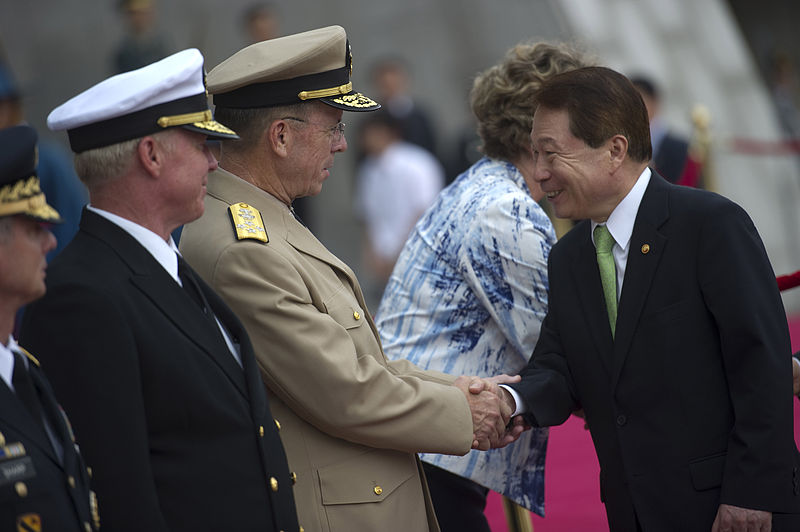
{"points": [[502, 97], [249, 124], [104, 164], [101, 165], [601, 103]]}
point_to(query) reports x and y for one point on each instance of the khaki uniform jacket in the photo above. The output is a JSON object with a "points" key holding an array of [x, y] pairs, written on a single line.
{"points": [[351, 420]]}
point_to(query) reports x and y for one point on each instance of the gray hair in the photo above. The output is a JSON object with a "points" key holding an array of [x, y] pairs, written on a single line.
{"points": [[102, 165], [249, 124]]}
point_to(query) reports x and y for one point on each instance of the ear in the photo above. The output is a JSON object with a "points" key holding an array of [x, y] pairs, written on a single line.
{"points": [[150, 155], [618, 149], [278, 137]]}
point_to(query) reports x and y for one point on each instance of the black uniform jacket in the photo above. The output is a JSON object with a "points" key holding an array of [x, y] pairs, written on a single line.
{"points": [[179, 435], [40, 490], [690, 405]]}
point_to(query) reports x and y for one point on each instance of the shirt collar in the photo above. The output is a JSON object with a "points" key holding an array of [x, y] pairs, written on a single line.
{"points": [[620, 222], [7, 360], [165, 252]]}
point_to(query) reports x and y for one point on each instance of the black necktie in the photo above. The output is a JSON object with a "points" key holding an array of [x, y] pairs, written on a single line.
{"points": [[192, 287], [25, 389]]}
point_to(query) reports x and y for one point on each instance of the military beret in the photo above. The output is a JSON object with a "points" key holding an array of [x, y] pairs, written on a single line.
{"points": [[168, 93], [19, 185], [313, 65]]}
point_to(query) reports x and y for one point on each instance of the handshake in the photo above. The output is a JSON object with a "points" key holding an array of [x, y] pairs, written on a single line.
{"points": [[492, 408]]}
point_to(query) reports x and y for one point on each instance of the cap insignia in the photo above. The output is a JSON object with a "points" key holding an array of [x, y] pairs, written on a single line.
{"points": [[355, 100], [214, 126], [20, 190], [247, 222]]}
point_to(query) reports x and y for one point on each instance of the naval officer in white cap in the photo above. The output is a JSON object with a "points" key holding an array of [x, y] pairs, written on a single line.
{"points": [[157, 372], [351, 420]]}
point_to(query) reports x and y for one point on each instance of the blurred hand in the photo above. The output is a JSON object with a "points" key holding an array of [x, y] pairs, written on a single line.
{"points": [[734, 519]]}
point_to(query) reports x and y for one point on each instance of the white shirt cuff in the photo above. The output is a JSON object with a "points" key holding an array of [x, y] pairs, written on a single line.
{"points": [[518, 402]]}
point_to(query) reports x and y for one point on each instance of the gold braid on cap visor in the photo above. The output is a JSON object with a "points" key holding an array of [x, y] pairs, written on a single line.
{"points": [[201, 119], [325, 93]]}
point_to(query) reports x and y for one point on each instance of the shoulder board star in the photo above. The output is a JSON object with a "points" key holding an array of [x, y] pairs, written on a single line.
{"points": [[247, 222]]}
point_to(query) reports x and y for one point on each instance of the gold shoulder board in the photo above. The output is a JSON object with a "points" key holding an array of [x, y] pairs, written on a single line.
{"points": [[30, 356], [247, 222]]}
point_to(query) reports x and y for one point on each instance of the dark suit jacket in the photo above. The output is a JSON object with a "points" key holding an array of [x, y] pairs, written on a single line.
{"points": [[180, 436], [690, 406], [35, 483]]}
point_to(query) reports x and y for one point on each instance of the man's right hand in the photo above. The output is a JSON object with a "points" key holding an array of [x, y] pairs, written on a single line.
{"points": [[489, 414]]}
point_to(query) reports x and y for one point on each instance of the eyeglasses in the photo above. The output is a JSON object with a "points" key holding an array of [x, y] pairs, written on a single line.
{"points": [[336, 132]]}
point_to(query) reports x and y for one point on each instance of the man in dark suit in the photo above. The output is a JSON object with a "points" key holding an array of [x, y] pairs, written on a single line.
{"points": [[44, 484], [157, 370], [683, 372]]}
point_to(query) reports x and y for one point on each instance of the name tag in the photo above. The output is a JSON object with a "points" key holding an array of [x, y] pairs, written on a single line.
{"points": [[16, 470]]}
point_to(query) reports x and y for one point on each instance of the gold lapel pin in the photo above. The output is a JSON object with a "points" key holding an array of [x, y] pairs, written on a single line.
{"points": [[645, 249]]}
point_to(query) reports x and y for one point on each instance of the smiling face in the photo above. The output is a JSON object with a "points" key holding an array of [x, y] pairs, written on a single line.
{"points": [[313, 152], [24, 243], [577, 180]]}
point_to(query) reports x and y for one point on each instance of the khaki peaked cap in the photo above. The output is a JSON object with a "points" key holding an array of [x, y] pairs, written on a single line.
{"points": [[313, 65]]}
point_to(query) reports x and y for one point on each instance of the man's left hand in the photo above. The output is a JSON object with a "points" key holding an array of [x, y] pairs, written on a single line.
{"points": [[735, 519]]}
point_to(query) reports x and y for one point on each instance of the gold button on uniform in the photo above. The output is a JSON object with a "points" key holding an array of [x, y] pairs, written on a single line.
{"points": [[278, 424], [356, 315], [294, 478], [378, 490], [71, 481], [89, 471], [261, 430], [273, 483], [22, 489], [645, 249]]}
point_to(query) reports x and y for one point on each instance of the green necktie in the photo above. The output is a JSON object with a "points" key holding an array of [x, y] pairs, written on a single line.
{"points": [[603, 241]]}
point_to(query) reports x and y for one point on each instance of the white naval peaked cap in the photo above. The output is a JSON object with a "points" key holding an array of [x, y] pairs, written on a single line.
{"points": [[168, 93]]}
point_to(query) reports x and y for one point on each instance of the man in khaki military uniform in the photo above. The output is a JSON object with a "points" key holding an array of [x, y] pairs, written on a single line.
{"points": [[351, 420]]}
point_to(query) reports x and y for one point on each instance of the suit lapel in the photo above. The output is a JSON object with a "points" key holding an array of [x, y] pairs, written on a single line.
{"points": [[646, 248], [586, 276], [161, 289], [14, 414]]}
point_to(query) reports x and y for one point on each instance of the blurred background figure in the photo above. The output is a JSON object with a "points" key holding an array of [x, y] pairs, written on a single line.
{"points": [[143, 43], [392, 81], [670, 150], [261, 22], [785, 85], [57, 177], [397, 182]]}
